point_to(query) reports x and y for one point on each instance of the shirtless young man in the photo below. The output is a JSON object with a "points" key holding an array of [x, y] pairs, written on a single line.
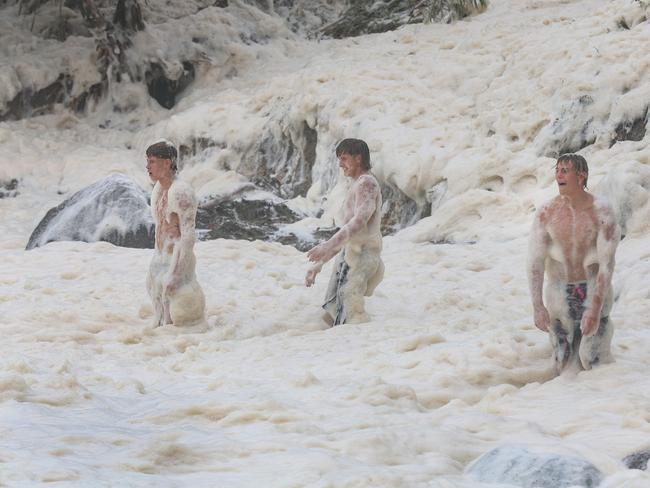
{"points": [[359, 268], [574, 239], [177, 297]]}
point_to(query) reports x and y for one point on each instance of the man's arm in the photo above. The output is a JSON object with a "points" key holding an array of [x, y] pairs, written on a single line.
{"points": [[184, 205], [365, 205], [538, 243], [609, 235]]}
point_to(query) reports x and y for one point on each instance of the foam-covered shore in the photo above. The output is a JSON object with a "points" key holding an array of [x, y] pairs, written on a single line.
{"points": [[451, 364]]}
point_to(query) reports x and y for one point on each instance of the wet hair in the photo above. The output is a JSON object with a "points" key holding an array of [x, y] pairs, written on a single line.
{"points": [[164, 150], [355, 147], [578, 163]]}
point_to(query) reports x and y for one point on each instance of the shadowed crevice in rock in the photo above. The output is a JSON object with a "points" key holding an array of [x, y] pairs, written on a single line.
{"points": [[631, 130], [514, 465], [164, 88], [282, 162], [113, 210]]}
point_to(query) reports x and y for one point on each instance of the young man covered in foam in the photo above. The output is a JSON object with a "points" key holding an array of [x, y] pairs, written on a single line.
{"points": [[358, 268], [177, 296], [573, 239]]}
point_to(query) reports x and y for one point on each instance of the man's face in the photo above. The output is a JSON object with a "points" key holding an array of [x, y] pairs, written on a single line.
{"points": [[350, 164], [568, 181], [158, 168]]}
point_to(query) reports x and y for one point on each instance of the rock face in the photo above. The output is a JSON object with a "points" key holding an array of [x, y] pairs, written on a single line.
{"points": [[398, 210], [283, 160], [572, 130], [114, 210], [370, 17], [638, 460], [517, 466]]}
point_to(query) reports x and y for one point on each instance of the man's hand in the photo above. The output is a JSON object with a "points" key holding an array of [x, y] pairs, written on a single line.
{"points": [[310, 277], [171, 284], [589, 323], [320, 253], [542, 319]]}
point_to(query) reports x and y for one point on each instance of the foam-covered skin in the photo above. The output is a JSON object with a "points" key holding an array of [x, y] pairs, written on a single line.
{"points": [[177, 296], [360, 237], [574, 243]]}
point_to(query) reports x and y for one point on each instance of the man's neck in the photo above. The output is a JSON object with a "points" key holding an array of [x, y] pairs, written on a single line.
{"points": [[166, 182], [578, 199], [359, 174]]}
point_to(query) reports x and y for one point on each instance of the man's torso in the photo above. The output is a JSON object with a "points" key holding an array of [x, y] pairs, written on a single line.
{"points": [[369, 237], [572, 255]]}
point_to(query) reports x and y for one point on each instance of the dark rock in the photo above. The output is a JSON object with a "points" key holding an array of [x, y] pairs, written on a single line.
{"points": [[9, 188], [631, 130], [165, 90], [114, 210], [197, 145], [282, 162], [398, 210], [571, 131], [221, 3], [637, 460], [29, 103], [517, 466], [128, 15], [243, 219]]}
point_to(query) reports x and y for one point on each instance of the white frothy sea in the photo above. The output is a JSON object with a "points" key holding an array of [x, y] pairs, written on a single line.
{"points": [[451, 364]]}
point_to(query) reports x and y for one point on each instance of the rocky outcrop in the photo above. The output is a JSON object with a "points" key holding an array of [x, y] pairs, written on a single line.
{"points": [[398, 210], [114, 210], [572, 129], [369, 17], [283, 160], [513, 465]]}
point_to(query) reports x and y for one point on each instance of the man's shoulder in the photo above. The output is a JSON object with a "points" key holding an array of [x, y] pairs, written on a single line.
{"points": [[367, 180], [181, 191]]}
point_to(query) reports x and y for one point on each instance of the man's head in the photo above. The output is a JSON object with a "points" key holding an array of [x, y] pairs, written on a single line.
{"points": [[571, 171], [162, 160], [353, 155]]}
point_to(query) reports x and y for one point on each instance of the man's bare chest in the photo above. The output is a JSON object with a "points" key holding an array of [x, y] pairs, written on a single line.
{"points": [[575, 229]]}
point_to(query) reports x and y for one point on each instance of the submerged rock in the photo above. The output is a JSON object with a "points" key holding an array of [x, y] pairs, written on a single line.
{"points": [[637, 460], [8, 189], [114, 210], [517, 466]]}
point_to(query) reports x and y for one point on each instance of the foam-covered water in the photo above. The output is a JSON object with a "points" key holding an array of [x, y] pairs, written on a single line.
{"points": [[451, 365]]}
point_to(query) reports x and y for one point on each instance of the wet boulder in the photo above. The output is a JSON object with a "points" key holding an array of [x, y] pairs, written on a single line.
{"points": [[251, 219], [114, 210], [638, 460], [518, 466]]}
